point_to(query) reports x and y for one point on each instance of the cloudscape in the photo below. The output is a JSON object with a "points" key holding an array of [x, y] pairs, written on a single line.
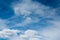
{"points": [[29, 19]]}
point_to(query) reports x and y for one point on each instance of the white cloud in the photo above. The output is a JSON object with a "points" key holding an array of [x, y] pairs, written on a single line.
{"points": [[28, 35], [52, 32], [31, 33], [7, 33]]}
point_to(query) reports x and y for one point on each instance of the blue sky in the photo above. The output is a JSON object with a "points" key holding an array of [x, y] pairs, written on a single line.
{"points": [[29, 19]]}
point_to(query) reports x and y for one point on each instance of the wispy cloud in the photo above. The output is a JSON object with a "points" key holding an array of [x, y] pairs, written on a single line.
{"points": [[31, 12], [3, 24]]}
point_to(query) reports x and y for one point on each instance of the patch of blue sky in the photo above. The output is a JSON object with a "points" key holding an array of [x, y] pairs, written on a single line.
{"points": [[14, 20], [5, 10], [51, 3]]}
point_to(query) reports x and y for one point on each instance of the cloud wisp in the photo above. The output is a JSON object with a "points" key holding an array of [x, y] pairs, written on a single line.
{"points": [[31, 12]]}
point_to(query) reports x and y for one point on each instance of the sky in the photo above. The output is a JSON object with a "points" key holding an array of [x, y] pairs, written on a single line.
{"points": [[29, 19]]}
